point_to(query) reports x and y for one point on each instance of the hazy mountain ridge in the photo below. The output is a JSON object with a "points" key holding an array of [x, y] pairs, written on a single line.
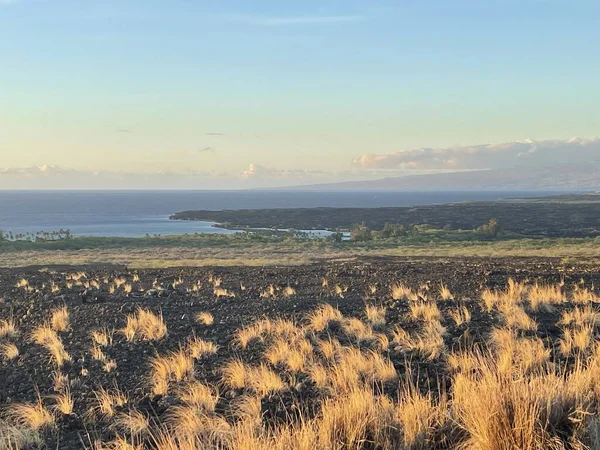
{"points": [[573, 177]]}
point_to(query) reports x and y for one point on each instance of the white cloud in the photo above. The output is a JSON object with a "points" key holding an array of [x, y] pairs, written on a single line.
{"points": [[487, 156]]}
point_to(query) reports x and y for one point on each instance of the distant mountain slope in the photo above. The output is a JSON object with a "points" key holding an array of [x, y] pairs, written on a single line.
{"points": [[575, 177]]}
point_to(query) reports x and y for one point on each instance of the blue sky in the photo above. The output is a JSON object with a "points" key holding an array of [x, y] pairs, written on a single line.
{"points": [[298, 90]]}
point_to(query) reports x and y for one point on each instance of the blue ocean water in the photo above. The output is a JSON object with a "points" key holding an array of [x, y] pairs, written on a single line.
{"points": [[137, 213]]}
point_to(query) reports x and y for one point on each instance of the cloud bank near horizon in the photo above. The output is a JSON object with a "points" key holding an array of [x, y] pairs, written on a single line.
{"points": [[529, 153], [487, 156]]}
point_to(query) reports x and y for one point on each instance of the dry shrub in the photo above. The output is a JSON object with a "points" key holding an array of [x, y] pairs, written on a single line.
{"points": [[144, 325]]}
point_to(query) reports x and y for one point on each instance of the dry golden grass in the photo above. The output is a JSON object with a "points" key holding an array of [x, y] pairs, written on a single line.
{"points": [[543, 295], [17, 437], [9, 351], [205, 318], [144, 325], [48, 338], [581, 316], [7, 328], [29, 415], [222, 292], [289, 291], [198, 348], [64, 401], [425, 311], [460, 315], [319, 319], [445, 293], [375, 315], [106, 402], [132, 422], [234, 374], [402, 292], [59, 321], [102, 337], [199, 395], [176, 366]]}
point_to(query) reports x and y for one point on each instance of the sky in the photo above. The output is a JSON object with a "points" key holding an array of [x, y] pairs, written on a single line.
{"points": [[237, 94]]}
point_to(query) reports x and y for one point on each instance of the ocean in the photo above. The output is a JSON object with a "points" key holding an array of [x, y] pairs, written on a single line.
{"points": [[137, 213]]}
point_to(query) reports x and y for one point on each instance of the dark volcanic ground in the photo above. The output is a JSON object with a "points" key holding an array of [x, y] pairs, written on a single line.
{"points": [[20, 377]]}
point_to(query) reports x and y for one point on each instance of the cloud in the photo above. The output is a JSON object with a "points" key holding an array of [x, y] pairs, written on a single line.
{"points": [[207, 150], [487, 156], [258, 171], [276, 21], [216, 134]]}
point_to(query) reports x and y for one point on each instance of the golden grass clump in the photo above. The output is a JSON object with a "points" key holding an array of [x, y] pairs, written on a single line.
{"points": [[402, 292], [375, 315], [199, 395], [106, 402], [7, 328], [64, 401], [198, 348], [425, 311], [175, 366], [48, 338], [544, 295], [205, 318], [319, 319], [102, 337], [59, 320], [144, 325], [445, 293], [222, 292], [9, 351], [460, 315], [132, 422], [584, 295], [30, 415]]}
